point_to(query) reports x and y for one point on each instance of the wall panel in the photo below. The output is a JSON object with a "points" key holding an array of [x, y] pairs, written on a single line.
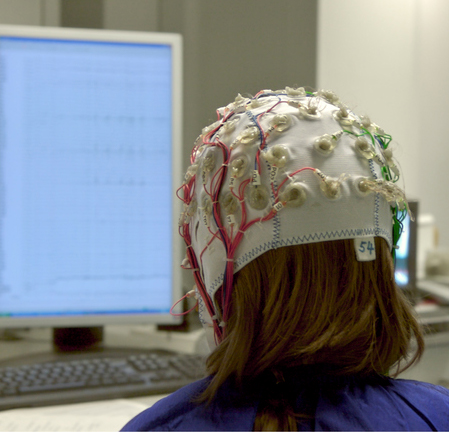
{"points": [[25, 12], [141, 15]]}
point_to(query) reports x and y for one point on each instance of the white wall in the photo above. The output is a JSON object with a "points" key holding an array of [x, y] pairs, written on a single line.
{"points": [[431, 94], [388, 59]]}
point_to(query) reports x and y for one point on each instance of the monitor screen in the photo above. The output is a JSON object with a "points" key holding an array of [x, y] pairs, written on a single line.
{"points": [[89, 163], [405, 262]]}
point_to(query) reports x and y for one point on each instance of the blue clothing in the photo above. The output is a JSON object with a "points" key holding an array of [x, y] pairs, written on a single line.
{"points": [[341, 404]]}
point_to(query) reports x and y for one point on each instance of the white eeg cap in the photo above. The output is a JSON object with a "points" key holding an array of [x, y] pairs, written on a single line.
{"points": [[283, 168]]}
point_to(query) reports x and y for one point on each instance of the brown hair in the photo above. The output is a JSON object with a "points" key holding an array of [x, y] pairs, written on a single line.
{"points": [[313, 304]]}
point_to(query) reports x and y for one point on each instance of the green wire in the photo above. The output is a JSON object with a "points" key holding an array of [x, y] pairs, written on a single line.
{"points": [[398, 215], [388, 138], [386, 174], [397, 231], [355, 134], [367, 132]]}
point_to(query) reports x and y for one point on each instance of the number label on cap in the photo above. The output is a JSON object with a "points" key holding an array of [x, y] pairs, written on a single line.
{"points": [[365, 249]]}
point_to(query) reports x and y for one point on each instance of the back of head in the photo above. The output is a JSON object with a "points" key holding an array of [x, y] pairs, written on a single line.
{"points": [[291, 214], [316, 304]]}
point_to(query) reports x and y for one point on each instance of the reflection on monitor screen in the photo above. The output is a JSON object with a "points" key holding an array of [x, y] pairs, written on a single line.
{"points": [[405, 263], [402, 254], [90, 141]]}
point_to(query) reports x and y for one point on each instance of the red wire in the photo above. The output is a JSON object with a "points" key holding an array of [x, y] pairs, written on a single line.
{"points": [[292, 174], [182, 313], [230, 241]]}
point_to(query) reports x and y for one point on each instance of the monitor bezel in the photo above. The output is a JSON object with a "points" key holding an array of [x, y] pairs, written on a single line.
{"points": [[118, 36]]}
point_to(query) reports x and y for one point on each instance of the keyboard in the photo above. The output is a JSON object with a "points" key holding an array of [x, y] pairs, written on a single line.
{"points": [[86, 377]]}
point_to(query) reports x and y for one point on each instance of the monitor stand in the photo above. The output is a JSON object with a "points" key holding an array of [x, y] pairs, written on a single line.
{"points": [[67, 344], [10, 335], [77, 339]]}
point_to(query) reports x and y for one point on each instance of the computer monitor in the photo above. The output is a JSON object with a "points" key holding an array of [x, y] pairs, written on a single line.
{"points": [[406, 254], [90, 149]]}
